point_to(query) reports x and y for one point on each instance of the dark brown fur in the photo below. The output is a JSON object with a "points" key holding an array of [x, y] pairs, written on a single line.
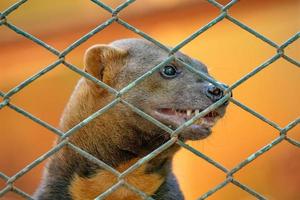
{"points": [[120, 137]]}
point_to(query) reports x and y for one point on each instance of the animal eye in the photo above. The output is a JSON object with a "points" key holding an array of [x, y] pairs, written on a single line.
{"points": [[169, 71]]}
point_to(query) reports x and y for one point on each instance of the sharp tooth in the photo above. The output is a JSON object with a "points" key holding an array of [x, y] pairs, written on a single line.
{"points": [[189, 112], [196, 112]]}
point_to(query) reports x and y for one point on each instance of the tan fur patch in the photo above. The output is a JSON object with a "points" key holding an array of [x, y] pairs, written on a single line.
{"points": [[103, 62], [90, 188]]}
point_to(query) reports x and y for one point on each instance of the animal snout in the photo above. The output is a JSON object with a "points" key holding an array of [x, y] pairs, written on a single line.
{"points": [[214, 93]]}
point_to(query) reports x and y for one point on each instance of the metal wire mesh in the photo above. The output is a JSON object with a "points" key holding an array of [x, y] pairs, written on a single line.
{"points": [[118, 99]]}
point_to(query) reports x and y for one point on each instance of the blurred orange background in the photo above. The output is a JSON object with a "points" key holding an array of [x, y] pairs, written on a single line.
{"points": [[229, 51]]}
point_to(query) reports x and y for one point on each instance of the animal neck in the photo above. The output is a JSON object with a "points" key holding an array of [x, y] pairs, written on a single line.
{"points": [[108, 137], [119, 145]]}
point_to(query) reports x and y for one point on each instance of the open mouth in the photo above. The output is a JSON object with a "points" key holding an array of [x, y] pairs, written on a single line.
{"points": [[182, 115], [176, 117]]}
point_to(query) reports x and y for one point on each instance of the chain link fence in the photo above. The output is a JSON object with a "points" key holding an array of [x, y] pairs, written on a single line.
{"points": [[223, 15]]}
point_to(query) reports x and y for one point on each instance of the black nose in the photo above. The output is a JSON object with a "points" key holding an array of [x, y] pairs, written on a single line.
{"points": [[214, 93]]}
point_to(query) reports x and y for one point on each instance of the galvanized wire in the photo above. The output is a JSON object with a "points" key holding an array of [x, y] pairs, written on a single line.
{"points": [[6, 97]]}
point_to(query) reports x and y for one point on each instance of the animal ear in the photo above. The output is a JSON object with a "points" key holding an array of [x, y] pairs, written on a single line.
{"points": [[103, 61]]}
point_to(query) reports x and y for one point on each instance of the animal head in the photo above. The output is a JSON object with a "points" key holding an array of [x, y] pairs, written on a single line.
{"points": [[171, 95]]}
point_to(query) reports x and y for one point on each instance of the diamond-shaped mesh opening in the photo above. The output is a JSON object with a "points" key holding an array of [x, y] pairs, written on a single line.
{"points": [[45, 97], [275, 89], [252, 134], [107, 35], [227, 49], [46, 20], [223, 15], [198, 13], [282, 160], [18, 150], [259, 16], [20, 56], [192, 181]]}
